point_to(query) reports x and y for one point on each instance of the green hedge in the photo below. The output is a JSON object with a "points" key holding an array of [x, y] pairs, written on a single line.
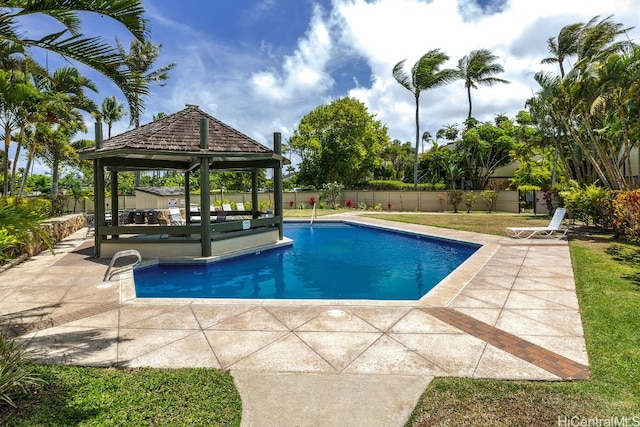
{"points": [[380, 185]]}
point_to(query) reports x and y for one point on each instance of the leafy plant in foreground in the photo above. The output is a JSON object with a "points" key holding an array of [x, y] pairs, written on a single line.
{"points": [[16, 374]]}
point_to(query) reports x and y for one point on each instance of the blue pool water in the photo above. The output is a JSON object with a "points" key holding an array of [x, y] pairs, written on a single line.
{"points": [[326, 261]]}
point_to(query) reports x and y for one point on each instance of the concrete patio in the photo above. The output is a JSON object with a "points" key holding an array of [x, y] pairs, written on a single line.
{"points": [[509, 312]]}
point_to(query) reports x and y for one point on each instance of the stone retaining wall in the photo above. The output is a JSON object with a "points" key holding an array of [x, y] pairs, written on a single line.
{"points": [[59, 228]]}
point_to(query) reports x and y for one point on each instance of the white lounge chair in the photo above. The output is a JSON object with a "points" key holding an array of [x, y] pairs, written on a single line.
{"points": [[554, 229], [175, 217]]}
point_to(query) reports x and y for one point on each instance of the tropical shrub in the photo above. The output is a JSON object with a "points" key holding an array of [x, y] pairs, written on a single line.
{"points": [[455, 197], [8, 242], [20, 221], [264, 205], [469, 199], [591, 204], [329, 194], [16, 373], [490, 197], [604, 209], [577, 203], [58, 204], [626, 214]]}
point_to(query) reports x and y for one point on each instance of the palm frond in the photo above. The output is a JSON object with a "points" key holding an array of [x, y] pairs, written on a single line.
{"points": [[127, 12], [402, 77], [98, 55]]}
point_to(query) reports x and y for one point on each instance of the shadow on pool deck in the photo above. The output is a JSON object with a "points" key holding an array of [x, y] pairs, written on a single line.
{"points": [[514, 316]]}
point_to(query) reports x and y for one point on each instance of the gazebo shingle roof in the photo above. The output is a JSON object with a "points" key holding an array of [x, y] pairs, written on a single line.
{"points": [[180, 132]]}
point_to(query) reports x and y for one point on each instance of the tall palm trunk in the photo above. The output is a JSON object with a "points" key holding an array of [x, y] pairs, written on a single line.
{"points": [[14, 166], [55, 177], [5, 165], [627, 141], [616, 181], [586, 152], [32, 153]]}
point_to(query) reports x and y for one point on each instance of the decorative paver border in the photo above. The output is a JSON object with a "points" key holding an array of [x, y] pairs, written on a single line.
{"points": [[561, 366]]}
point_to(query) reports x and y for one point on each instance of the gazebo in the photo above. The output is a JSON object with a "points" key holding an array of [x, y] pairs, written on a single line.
{"points": [[187, 141]]}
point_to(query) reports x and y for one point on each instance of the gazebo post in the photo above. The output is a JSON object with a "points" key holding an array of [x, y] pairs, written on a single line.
{"points": [[277, 183], [98, 193], [255, 204], [114, 200], [205, 193], [187, 196]]}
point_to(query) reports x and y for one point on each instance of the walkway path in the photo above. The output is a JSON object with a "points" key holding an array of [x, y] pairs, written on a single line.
{"points": [[510, 313]]}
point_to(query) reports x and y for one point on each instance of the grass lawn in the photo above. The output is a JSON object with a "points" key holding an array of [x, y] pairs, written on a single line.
{"points": [[74, 396], [608, 284]]}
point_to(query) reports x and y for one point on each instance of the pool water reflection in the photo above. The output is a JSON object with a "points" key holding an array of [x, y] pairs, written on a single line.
{"points": [[330, 260]]}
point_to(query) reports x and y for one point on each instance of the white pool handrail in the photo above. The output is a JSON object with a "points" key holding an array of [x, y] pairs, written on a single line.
{"points": [[313, 213], [121, 254]]}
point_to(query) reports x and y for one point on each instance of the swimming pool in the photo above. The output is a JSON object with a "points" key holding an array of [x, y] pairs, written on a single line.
{"points": [[330, 260]]}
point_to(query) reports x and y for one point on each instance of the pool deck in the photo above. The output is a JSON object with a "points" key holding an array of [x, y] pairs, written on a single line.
{"points": [[510, 312]]}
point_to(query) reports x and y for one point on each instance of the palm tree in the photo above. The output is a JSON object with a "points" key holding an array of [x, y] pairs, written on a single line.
{"points": [[448, 132], [425, 74], [617, 78], [597, 40], [585, 41], [479, 68], [139, 60], [161, 115], [426, 137], [565, 45], [71, 43], [29, 141], [18, 98], [111, 112]]}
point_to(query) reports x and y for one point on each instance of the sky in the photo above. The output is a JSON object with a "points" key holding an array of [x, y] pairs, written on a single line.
{"points": [[261, 65]]}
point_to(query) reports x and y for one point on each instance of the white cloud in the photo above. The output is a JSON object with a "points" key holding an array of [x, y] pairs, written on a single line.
{"points": [[303, 73]]}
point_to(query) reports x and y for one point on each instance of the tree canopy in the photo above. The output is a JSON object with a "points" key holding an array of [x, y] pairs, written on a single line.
{"points": [[339, 142], [590, 114]]}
